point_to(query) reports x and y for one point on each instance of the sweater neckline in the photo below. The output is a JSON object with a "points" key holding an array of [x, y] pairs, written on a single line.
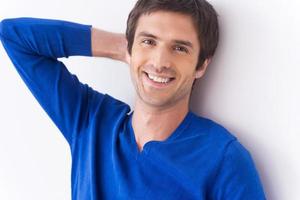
{"points": [[150, 144]]}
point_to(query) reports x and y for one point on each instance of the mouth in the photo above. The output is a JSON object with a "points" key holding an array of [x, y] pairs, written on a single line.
{"points": [[158, 80]]}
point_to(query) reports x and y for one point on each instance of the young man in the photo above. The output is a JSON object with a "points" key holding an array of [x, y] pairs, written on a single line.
{"points": [[161, 150]]}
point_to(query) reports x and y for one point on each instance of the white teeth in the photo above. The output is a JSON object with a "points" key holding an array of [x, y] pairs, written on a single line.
{"points": [[158, 79]]}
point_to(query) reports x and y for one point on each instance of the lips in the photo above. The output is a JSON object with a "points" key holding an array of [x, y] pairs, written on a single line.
{"points": [[158, 80]]}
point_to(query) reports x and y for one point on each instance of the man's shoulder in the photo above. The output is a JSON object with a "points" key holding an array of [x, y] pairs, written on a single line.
{"points": [[209, 128], [111, 107], [216, 137]]}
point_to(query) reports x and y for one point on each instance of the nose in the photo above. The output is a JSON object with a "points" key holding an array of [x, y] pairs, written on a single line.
{"points": [[161, 59]]}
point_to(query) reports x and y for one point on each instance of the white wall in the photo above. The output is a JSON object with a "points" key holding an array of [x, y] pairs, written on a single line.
{"points": [[251, 88]]}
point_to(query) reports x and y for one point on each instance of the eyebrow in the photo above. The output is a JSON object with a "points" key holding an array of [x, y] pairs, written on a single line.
{"points": [[182, 42]]}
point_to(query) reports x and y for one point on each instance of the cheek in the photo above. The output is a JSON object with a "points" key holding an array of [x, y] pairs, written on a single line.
{"points": [[190, 70], [134, 58], [138, 58], [135, 65]]}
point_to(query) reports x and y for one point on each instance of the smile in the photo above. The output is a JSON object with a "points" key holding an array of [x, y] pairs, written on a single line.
{"points": [[159, 79], [155, 81]]}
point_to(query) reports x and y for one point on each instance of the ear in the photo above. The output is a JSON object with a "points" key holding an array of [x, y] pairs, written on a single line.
{"points": [[201, 71]]}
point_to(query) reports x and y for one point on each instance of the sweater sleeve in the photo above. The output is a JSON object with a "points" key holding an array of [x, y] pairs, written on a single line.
{"points": [[237, 177], [33, 45]]}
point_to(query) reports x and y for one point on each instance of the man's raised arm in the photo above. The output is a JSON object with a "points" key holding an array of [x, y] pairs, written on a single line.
{"points": [[111, 45], [34, 45]]}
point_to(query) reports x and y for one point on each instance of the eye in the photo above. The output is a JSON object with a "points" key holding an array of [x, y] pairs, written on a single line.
{"points": [[181, 49], [148, 42]]}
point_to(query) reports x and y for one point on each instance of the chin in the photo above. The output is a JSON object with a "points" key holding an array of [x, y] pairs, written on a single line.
{"points": [[157, 102]]}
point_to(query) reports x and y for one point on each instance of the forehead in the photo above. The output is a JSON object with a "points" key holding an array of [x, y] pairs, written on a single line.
{"points": [[168, 25]]}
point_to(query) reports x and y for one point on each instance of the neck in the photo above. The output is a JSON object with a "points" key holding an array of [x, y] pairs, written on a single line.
{"points": [[154, 123]]}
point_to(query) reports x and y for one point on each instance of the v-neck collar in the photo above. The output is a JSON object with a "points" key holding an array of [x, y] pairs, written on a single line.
{"points": [[150, 144]]}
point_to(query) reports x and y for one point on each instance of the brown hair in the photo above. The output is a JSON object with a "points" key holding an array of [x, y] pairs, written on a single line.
{"points": [[203, 14]]}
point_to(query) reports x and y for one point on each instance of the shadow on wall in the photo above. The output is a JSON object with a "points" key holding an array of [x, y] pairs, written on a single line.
{"points": [[201, 89]]}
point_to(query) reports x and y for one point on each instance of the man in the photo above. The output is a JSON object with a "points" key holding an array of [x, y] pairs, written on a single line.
{"points": [[161, 150]]}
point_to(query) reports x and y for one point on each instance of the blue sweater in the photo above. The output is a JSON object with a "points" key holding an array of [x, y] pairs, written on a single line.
{"points": [[200, 160]]}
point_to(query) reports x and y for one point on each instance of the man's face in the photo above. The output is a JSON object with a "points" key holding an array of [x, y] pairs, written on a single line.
{"points": [[164, 58]]}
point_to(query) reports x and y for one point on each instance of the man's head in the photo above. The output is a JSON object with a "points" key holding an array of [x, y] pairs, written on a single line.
{"points": [[170, 43], [203, 14]]}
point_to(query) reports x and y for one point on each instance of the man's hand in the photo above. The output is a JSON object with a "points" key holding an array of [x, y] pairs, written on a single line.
{"points": [[110, 45]]}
